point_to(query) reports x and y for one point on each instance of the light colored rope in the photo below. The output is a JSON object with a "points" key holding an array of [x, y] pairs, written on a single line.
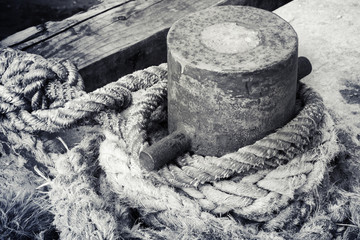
{"points": [[30, 85], [269, 182], [271, 151], [258, 196], [78, 209]]}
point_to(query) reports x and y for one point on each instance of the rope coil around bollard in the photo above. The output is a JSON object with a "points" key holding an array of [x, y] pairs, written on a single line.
{"points": [[250, 193]]}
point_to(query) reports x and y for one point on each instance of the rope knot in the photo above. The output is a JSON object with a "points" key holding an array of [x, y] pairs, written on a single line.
{"points": [[30, 82], [39, 94]]}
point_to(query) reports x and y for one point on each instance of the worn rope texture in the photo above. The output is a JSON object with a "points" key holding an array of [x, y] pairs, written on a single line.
{"points": [[278, 181], [80, 211], [271, 151], [263, 194], [269, 182], [47, 95]]}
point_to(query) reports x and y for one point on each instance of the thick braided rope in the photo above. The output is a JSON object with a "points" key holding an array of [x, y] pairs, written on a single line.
{"points": [[266, 182], [269, 188], [79, 209], [164, 210], [271, 151], [24, 79], [255, 196], [45, 95], [162, 206]]}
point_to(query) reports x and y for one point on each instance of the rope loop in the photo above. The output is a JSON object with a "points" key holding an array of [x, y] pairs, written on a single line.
{"points": [[40, 94], [30, 82], [260, 188]]}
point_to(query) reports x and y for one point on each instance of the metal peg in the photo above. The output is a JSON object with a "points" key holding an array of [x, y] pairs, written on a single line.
{"points": [[304, 67], [165, 150]]}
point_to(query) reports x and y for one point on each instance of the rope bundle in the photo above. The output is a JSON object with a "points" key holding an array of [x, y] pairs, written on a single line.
{"points": [[45, 95], [268, 188], [252, 193]]}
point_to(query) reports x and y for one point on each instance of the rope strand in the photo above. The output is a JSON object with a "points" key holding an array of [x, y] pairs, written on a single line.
{"points": [[98, 190]]}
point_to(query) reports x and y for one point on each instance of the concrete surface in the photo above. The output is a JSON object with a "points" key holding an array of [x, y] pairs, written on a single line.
{"points": [[328, 34]]}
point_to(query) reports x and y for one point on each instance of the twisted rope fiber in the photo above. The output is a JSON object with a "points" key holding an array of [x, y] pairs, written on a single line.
{"points": [[271, 151], [27, 86], [80, 212], [247, 196], [40, 94], [258, 196], [13, 66], [270, 182]]}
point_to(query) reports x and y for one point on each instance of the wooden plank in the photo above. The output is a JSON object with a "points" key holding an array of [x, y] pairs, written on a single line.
{"points": [[33, 35], [110, 41], [109, 45]]}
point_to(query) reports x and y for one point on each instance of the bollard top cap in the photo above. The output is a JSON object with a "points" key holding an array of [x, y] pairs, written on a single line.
{"points": [[232, 38]]}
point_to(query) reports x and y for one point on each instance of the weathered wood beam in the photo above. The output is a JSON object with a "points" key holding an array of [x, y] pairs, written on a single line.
{"points": [[114, 39], [36, 34]]}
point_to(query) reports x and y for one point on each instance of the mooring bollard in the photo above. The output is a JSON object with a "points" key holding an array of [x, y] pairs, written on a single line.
{"points": [[232, 80]]}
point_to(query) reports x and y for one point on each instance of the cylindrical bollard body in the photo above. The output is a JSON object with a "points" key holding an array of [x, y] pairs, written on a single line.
{"points": [[232, 77]]}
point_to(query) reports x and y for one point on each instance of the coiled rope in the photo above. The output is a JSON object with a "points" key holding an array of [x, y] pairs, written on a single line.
{"points": [[45, 95], [270, 183]]}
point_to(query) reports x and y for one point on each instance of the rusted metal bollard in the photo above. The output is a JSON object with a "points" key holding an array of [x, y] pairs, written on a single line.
{"points": [[232, 80]]}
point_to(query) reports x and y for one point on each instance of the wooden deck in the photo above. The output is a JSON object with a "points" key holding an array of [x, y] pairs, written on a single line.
{"points": [[116, 37]]}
